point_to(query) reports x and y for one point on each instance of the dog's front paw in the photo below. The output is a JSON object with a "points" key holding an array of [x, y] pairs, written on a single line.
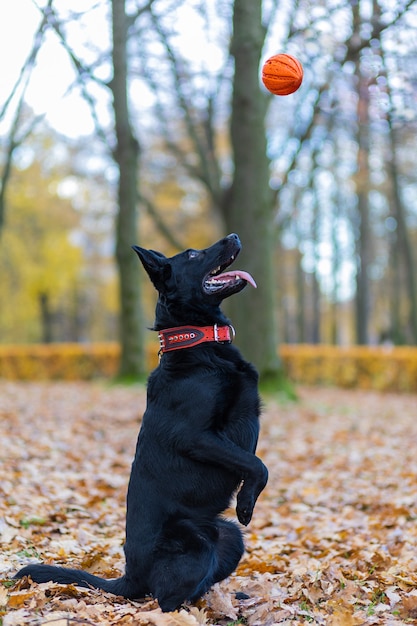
{"points": [[244, 507], [244, 516]]}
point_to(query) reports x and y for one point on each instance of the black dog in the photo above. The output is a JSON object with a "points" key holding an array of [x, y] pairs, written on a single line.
{"points": [[196, 446]]}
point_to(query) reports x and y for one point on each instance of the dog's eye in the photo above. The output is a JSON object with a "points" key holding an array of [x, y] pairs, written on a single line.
{"points": [[193, 254]]}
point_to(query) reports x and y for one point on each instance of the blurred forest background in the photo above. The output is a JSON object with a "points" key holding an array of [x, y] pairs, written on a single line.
{"points": [[168, 125]]}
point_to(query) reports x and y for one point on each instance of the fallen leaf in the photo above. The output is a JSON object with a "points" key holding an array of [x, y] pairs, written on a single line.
{"points": [[16, 618], [3, 596], [157, 618], [17, 600], [342, 616], [408, 607], [200, 615], [220, 602]]}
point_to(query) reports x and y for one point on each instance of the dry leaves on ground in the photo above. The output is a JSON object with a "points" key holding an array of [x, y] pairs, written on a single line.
{"points": [[332, 541]]}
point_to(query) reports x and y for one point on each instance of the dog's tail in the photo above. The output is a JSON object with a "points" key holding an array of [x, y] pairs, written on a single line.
{"points": [[45, 573]]}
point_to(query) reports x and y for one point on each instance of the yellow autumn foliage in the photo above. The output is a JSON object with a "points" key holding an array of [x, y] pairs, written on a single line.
{"points": [[361, 367], [383, 368], [38, 256], [66, 361]]}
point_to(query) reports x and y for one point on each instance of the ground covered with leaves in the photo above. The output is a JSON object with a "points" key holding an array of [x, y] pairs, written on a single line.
{"points": [[332, 541]]}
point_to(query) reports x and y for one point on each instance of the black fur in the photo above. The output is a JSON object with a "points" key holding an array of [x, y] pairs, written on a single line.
{"points": [[195, 449]]}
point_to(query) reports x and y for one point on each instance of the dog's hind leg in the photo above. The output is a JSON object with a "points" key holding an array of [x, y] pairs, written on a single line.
{"points": [[229, 549], [190, 558], [184, 563], [182, 577]]}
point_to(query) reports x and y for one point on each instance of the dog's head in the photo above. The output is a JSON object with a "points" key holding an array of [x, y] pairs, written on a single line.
{"points": [[192, 284]]}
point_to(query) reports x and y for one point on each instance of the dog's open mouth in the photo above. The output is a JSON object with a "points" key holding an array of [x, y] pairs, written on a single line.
{"points": [[219, 280]]}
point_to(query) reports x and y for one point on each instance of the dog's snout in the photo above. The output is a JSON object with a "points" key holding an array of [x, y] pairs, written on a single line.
{"points": [[233, 237]]}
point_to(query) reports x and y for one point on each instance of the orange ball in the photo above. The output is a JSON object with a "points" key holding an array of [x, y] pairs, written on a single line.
{"points": [[282, 74]]}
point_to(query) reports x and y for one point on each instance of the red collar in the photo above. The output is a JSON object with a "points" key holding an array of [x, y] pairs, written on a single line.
{"points": [[189, 336]]}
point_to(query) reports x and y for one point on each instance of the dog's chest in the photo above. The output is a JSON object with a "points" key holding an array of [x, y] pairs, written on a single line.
{"points": [[222, 400], [236, 408]]}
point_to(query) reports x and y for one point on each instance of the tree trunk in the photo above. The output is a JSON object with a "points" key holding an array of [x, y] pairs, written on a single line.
{"points": [[364, 229], [248, 207], [396, 330], [126, 155], [301, 301], [403, 241], [46, 317], [316, 288]]}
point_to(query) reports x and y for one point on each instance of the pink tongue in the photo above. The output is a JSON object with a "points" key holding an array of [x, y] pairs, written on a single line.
{"points": [[237, 274]]}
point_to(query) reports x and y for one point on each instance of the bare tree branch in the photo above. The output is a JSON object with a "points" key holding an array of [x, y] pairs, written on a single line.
{"points": [[172, 144], [303, 137], [378, 27], [84, 72], [293, 31], [29, 63], [160, 224], [207, 174], [131, 19], [13, 141]]}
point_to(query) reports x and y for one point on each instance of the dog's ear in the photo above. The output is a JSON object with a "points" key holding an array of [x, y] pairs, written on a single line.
{"points": [[156, 265]]}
